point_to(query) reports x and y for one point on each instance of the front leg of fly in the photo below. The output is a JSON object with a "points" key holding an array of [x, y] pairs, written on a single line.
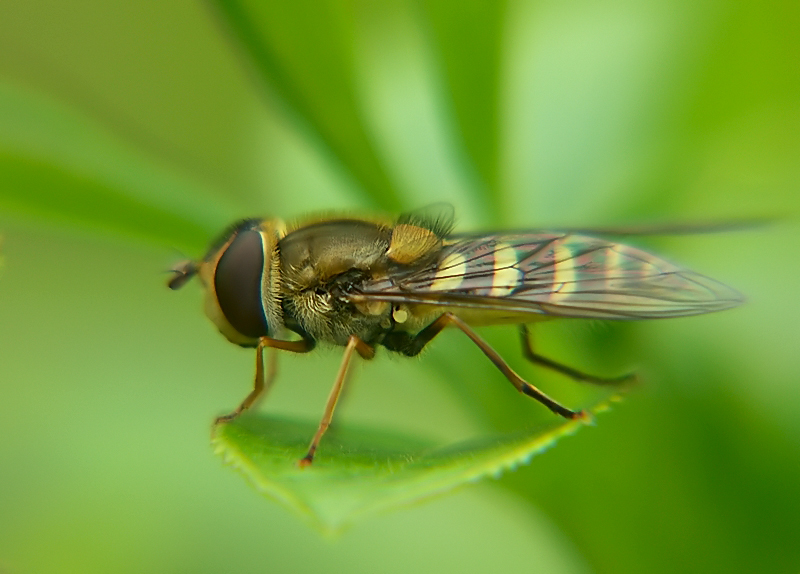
{"points": [[264, 379]]}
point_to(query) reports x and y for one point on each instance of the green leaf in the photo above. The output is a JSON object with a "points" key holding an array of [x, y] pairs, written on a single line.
{"points": [[303, 53], [359, 472], [469, 44], [57, 163]]}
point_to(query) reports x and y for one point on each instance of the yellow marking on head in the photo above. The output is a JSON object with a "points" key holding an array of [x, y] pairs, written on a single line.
{"points": [[272, 231], [505, 277], [410, 243], [450, 274], [563, 271]]}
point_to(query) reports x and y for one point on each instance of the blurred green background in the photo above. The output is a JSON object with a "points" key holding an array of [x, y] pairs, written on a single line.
{"points": [[131, 133]]}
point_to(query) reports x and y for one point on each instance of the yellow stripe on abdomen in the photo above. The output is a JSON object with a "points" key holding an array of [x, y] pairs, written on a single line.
{"points": [[505, 278], [564, 274], [450, 274]]}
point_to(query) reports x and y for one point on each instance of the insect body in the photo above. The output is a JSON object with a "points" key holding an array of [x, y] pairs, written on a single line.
{"points": [[362, 284]]}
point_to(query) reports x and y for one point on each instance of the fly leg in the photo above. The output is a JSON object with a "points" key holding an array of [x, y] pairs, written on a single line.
{"points": [[533, 357], [264, 382], [412, 345], [354, 344]]}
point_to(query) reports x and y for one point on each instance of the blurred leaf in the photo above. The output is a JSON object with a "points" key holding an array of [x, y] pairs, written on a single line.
{"points": [[357, 473], [303, 53], [469, 40], [56, 163]]}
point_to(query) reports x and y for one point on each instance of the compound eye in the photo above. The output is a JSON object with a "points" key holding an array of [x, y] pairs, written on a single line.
{"points": [[237, 281]]}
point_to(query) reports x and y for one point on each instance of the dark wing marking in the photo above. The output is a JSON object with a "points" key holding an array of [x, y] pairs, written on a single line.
{"points": [[556, 274]]}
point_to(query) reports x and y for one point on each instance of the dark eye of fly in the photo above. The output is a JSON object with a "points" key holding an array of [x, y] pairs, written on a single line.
{"points": [[238, 284]]}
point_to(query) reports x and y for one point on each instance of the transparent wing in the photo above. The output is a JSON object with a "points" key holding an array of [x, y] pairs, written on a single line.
{"points": [[558, 274]]}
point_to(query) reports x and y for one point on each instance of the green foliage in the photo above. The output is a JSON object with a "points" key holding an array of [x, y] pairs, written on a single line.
{"points": [[128, 130], [101, 181]]}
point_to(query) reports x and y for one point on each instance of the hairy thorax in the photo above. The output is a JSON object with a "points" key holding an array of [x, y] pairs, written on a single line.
{"points": [[320, 263]]}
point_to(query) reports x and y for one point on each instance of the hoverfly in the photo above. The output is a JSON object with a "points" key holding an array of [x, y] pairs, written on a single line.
{"points": [[359, 283]]}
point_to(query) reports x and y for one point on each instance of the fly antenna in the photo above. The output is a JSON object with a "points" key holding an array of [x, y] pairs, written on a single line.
{"points": [[182, 272]]}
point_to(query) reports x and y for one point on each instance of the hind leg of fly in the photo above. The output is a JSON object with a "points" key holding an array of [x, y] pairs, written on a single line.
{"points": [[533, 357], [412, 345]]}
